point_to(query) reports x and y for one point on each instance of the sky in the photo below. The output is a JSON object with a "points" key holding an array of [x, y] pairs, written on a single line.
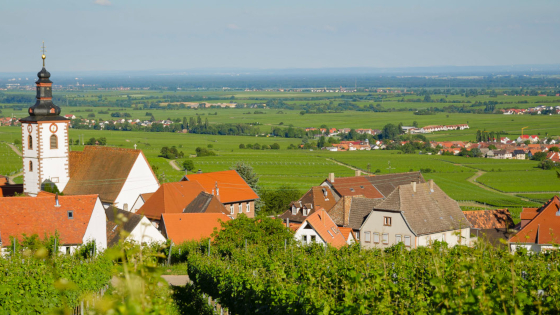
{"points": [[130, 35]]}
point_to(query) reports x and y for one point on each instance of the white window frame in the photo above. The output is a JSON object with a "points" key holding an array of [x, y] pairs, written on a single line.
{"points": [[231, 209], [294, 210], [443, 237], [240, 209], [376, 238], [398, 238], [248, 207], [357, 235], [407, 237], [385, 238], [367, 237]]}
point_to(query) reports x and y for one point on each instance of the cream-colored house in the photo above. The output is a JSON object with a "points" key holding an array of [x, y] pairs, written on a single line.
{"points": [[416, 215]]}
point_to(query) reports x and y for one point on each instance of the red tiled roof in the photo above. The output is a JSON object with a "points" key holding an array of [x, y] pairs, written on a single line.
{"points": [[231, 185], [528, 213], [326, 228], [170, 198], [347, 233], [544, 228], [489, 219], [355, 186], [39, 215], [182, 227]]}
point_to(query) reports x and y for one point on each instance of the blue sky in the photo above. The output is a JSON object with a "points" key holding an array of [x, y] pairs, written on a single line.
{"points": [[85, 35]]}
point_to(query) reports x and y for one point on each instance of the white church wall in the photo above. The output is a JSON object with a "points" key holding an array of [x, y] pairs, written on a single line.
{"points": [[31, 179], [140, 180]]}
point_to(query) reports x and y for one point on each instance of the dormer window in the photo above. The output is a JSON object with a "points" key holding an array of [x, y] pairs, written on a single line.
{"points": [[70, 214], [304, 212], [294, 210]]}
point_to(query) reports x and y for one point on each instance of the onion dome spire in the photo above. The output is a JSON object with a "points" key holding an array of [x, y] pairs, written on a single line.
{"points": [[44, 109]]}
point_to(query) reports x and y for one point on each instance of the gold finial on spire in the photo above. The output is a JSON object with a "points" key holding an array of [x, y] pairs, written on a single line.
{"points": [[43, 56]]}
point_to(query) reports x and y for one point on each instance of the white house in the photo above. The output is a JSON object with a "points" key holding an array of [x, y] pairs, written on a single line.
{"points": [[415, 215], [320, 228], [137, 228], [140, 201], [76, 219], [540, 228]]}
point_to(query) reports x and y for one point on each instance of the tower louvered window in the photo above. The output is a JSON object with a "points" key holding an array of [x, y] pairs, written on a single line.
{"points": [[30, 166], [30, 142], [54, 142]]}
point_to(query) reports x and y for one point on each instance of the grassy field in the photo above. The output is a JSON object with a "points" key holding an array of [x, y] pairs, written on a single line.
{"points": [[522, 181], [10, 162]]}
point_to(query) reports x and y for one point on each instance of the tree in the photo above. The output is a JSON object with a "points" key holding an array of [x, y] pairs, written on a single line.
{"points": [[302, 113], [415, 124], [242, 146], [278, 200], [547, 164], [539, 156], [390, 131], [554, 149], [188, 165], [428, 98], [478, 136], [275, 146], [322, 142]]}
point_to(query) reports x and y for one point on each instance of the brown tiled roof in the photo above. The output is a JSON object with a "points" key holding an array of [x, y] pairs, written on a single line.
{"points": [[205, 203], [316, 197], [490, 219], [389, 182], [231, 185], [351, 211], [326, 228], [182, 227], [39, 215], [170, 198], [114, 229], [355, 186], [544, 228], [426, 212], [146, 196], [100, 170], [528, 213]]}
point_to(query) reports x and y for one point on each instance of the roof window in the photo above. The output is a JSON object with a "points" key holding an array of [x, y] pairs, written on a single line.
{"points": [[70, 214], [330, 233], [362, 187], [352, 189]]}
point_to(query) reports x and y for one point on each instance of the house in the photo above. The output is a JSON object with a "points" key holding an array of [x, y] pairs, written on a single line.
{"points": [[183, 227], [518, 154], [351, 212], [541, 230], [8, 189], [387, 183], [490, 154], [532, 139], [118, 175], [317, 196], [230, 188], [553, 156], [504, 140], [76, 219], [137, 228], [491, 225], [69, 116], [319, 228], [170, 198], [349, 235], [140, 201], [416, 215], [351, 186], [502, 154], [205, 203]]}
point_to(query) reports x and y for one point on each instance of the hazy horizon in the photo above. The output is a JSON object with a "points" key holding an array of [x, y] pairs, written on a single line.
{"points": [[173, 35]]}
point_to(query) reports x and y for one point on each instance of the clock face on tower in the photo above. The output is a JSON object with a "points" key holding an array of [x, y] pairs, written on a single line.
{"points": [[29, 128], [53, 128]]}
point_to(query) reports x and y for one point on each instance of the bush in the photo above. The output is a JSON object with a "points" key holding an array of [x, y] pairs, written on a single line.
{"points": [[188, 165], [17, 141], [242, 146], [204, 152], [275, 146], [210, 146], [256, 146]]}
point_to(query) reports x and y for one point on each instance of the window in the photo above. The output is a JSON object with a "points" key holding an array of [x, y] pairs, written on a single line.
{"points": [[240, 209], [352, 189], [387, 221], [367, 237], [304, 212], [30, 142], [231, 209], [294, 210], [70, 214], [30, 166], [407, 241], [67, 250], [357, 235], [54, 142], [398, 238], [313, 238], [304, 238], [385, 238], [443, 237], [330, 233], [376, 238], [248, 207]]}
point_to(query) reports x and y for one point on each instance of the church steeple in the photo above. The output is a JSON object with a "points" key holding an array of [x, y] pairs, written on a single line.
{"points": [[44, 109]]}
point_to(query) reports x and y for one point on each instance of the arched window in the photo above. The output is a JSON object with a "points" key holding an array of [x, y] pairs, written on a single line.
{"points": [[54, 142], [30, 166], [30, 142]]}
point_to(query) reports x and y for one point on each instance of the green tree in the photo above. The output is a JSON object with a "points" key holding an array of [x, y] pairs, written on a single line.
{"points": [[275, 146], [547, 164], [188, 165], [539, 156], [241, 146], [278, 200], [249, 175], [390, 132]]}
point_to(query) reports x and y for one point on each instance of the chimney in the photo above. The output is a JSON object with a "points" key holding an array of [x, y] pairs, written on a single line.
{"points": [[217, 191], [358, 173], [199, 171], [125, 207], [56, 203], [288, 223], [413, 186], [431, 185], [331, 177]]}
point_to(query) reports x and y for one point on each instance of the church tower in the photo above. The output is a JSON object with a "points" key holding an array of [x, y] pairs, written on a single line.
{"points": [[44, 140]]}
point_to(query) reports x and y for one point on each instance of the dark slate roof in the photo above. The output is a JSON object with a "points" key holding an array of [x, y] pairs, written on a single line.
{"points": [[518, 152], [490, 219], [386, 184], [114, 229], [425, 211], [205, 203], [493, 236]]}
